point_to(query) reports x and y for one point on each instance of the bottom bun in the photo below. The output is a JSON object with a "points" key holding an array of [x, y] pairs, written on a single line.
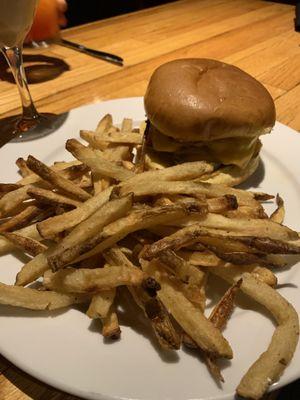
{"points": [[231, 175]]}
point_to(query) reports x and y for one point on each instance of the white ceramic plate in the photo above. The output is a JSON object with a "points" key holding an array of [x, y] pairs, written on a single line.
{"points": [[65, 350]]}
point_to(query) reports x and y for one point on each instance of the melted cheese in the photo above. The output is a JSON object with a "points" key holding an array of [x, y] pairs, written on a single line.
{"points": [[237, 151]]}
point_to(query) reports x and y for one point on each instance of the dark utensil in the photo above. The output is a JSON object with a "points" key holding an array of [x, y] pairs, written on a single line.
{"points": [[112, 58]]}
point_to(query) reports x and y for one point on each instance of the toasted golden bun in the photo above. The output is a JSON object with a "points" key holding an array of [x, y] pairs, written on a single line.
{"points": [[204, 100]]}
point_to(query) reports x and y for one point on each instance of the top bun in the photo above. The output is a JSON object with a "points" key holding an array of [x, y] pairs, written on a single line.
{"points": [[198, 99]]}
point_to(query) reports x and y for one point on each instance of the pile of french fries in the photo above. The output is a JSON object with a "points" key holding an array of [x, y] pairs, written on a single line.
{"points": [[106, 220]]}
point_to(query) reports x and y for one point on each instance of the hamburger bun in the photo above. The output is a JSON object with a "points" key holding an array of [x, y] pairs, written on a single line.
{"points": [[202, 109], [203, 100]]}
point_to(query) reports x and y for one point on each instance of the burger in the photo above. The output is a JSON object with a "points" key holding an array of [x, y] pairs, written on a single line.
{"points": [[202, 109]]}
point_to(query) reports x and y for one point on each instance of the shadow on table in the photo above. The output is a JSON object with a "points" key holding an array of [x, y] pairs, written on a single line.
{"points": [[41, 68]]}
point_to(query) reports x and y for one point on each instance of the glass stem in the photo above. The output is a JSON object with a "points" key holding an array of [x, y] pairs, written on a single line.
{"points": [[14, 58]]}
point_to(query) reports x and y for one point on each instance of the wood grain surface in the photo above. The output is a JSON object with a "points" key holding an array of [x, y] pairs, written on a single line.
{"points": [[255, 35]]}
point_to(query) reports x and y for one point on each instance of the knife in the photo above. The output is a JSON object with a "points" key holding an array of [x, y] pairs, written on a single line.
{"points": [[112, 58]]}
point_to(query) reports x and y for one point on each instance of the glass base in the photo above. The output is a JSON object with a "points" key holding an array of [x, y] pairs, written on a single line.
{"points": [[18, 129]]}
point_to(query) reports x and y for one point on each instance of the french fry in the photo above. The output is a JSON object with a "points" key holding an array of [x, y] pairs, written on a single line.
{"points": [[48, 197], [68, 220], [85, 182], [222, 311], [142, 150], [247, 212], [36, 299], [23, 169], [219, 317], [189, 317], [188, 341], [95, 160], [208, 259], [159, 318], [27, 244], [33, 269], [8, 187], [181, 172], [101, 303], [219, 205], [114, 137], [62, 167], [86, 280], [99, 183], [213, 368], [117, 153], [162, 326], [114, 232], [270, 365], [104, 124], [268, 245], [88, 230], [155, 186], [56, 180], [29, 231], [12, 200], [111, 328], [248, 227], [226, 228], [111, 153], [279, 213], [191, 278], [37, 266], [227, 245], [21, 219]]}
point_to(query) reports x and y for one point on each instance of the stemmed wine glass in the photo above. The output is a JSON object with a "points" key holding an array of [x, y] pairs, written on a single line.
{"points": [[16, 17]]}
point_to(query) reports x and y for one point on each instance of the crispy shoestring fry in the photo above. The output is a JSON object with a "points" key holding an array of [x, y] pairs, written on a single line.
{"points": [[191, 278], [48, 197], [23, 168], [189, 317], [192, 188], [61, 167], [57, 180], [114, 232], [88, 228], [68, 220], [270, 365], [95, 160], [84, 280], [279, 213], [146, 298], [27, 244], [113, 137], [29, 231], [12, 200], [37, 300], [87, 232], [192, 233], [219, 317], [8, 187], [111, 328], [21, 219], [101, 303]]}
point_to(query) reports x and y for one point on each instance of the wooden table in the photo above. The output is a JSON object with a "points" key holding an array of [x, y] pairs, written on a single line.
{"points": [[255, 35]]}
